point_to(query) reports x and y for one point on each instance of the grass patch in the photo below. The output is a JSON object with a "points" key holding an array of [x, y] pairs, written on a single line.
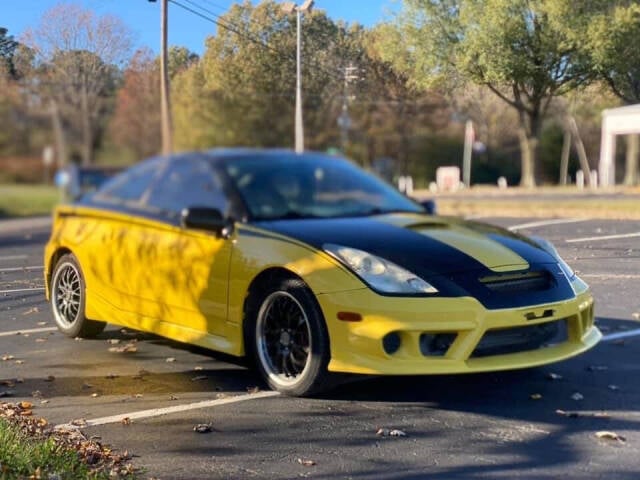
{"points": [[31, 449], [24, 457], [27, 200]]}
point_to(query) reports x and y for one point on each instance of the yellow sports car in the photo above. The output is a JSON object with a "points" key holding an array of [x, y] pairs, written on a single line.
{"points": [[309, 266]]}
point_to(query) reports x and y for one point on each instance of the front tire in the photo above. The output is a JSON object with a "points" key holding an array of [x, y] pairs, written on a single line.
{"points": [[287, 337], [68, 298]]}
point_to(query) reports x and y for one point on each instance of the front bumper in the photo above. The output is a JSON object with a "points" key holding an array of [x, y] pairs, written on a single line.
{"points": [[357, 347]]}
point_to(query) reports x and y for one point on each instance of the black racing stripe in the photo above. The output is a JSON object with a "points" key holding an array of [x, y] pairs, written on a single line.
{"points": [[412, 250], [524, 247]]}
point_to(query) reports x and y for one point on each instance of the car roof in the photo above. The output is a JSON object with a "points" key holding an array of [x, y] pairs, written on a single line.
{"points": [[222, 154]]}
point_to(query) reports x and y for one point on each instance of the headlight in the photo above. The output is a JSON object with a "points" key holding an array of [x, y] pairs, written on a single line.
{"points": [[547, 246], [380, 274]]}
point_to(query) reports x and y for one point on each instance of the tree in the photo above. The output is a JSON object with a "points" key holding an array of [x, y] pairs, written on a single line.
{"points": [[135, 124], [513, 47], [246, 80], [8, 48], [607, 32], [78, 57]]}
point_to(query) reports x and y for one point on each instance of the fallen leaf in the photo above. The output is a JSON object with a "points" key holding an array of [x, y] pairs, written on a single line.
{"points": [[137, 395], [30, 311], [535, 396], [36, 394], [19, 362], [577, 396], [6, 358], [40, 340], [306, 463], [173, 397], [170, 360], [25, 405], [79, 422], [113, 341], [8, 383], [554, 376], [126, 421], [50, 378], [611, 436], [44, 402], [94, 395], [42, 324], [203, 428]]}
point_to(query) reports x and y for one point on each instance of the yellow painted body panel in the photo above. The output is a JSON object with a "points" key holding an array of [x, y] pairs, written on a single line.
{"points": [[191, 286]]}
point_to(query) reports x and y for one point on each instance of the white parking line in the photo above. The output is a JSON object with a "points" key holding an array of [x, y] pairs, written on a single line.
{"points": [[13, 257], [619, 335], [612, 276], [605, 237], [20, 290], [27, 330], [544, 223], [21, 269], [156, 412]]}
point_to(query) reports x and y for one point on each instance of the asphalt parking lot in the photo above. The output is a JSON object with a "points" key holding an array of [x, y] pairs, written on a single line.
{"points": [[521, 424]]}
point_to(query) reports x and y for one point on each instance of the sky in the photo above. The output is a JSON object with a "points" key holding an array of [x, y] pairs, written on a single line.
{"points": [[185, 28]]}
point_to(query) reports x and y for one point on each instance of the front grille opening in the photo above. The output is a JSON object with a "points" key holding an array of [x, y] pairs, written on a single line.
{"points": [[518, 282], [436, 344], [521, 339]]}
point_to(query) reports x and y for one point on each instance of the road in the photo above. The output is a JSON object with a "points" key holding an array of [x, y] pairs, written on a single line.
{"points": [[476, 426]]}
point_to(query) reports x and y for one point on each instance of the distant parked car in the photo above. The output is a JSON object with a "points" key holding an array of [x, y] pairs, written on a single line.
{"points": [[78, 180]]}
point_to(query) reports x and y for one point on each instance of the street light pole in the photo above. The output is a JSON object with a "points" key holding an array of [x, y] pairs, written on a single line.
{"points": [[290, 7]]}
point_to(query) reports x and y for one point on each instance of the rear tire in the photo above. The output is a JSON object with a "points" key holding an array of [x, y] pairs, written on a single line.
{"points": [[68, 298], [286, 335]]}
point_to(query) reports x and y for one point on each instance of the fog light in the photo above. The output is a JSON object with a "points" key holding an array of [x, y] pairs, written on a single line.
{"points": [[391, 343]]}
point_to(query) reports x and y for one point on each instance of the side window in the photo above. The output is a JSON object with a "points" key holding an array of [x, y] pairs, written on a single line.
{"points": [[187, 182], [130, 185]]}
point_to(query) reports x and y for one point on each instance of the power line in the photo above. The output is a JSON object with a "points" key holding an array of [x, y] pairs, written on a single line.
{"points": [[234, 28]]}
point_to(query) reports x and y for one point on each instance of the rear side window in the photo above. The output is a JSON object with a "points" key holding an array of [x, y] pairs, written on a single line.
{"points": [[129, 186], [187, 182]]}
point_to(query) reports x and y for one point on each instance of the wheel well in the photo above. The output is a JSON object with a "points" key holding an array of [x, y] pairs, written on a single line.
{"points": [[54, 260]]}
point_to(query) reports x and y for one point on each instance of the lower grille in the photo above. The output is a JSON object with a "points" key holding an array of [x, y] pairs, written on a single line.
{"points": [[521, 339]]}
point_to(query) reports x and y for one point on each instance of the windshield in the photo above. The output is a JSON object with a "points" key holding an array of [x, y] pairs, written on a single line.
{"points": [[308, 186]]}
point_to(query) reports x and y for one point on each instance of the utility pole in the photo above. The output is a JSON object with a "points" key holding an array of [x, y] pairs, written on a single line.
{"points": [[165, 102], [290, 7], [344, 120]]}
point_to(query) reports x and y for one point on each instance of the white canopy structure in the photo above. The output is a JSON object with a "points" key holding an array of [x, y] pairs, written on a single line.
{"points": [[615, 121]]}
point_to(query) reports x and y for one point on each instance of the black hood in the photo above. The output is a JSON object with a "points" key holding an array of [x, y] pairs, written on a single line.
{"points": [[451, 254]]}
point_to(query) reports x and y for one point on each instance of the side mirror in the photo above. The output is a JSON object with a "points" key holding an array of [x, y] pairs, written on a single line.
{"points": [[205, 218], [429, 206]]}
